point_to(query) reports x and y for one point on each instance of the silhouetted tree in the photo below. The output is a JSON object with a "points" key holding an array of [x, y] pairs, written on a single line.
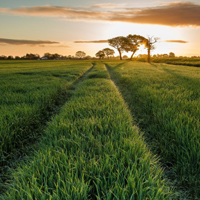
{"points": [[28, 56], [10, 58], [80, 54], [17, 58], [55, 56], [165, 55], [3, 57], [149, 44], [48, 55], [23, 58], [118, 43], [88, 57], [100, 54], [31, 56], [171, 55], [125, 57], [108, 52], [134, 41]]}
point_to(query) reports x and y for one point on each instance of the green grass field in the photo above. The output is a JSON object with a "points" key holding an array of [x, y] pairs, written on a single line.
{"points": [[91, 151], [195, 62], [165, 100], [138, 142], [29, 92]]}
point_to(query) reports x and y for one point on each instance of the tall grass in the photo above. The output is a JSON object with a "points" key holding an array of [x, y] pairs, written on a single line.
{"points": [[29, 91], [91, 150], [165, 100]]}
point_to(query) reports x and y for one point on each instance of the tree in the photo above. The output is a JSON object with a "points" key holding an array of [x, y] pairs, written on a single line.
{"points": [[29, 56], [3, 57], [165, 55], [32, 56], [37, 56], [80, 54], [108, 52], [172, 55], [100, 54], [149, 44], [88, 57], [55, 56], [125, 57], [134, 41], [17, 58], [10, 58], [118, 43], [48, 55]]}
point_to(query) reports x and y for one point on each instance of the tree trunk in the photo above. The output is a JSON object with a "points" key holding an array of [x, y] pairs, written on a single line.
{"points": [[132, 55], [120, 54], [148, 59]]}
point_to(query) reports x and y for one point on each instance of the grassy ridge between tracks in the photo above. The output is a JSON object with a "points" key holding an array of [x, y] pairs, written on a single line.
{"points": [[91, 150]]}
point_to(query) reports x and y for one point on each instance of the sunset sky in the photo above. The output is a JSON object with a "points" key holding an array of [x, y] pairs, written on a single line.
{"points": [[66, 26]]}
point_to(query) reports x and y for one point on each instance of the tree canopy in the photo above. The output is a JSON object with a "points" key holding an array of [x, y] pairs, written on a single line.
{"points": [[108, 52], [119, 43], [80, 54], [100, 54], [134, 42]]}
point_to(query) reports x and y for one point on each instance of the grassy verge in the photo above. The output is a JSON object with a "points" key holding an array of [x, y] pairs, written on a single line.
{"points": [[165, 101], [91, 151], [30, 92], [195, 62]]}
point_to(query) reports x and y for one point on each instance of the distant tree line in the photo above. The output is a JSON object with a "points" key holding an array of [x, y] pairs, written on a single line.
{"points": [[170, 55], [30, 56], [165, 55], [46, 56]]}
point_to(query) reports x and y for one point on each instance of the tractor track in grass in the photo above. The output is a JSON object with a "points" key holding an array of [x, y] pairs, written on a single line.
{"points": [[32, 141]]}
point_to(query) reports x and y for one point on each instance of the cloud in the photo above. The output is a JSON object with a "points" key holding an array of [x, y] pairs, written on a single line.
{"points": [[26, 42], [55, 11], [65, 46], [176, 41], [107, 5], [173, 14], [57, 46], [95, 41]]}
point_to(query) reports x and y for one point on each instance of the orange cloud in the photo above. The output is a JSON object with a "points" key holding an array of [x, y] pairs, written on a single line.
{"points": [[107, 5], [95, 41], [176, 41], [25, 42], [55, 11], [173, 14], [62, 46]]}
